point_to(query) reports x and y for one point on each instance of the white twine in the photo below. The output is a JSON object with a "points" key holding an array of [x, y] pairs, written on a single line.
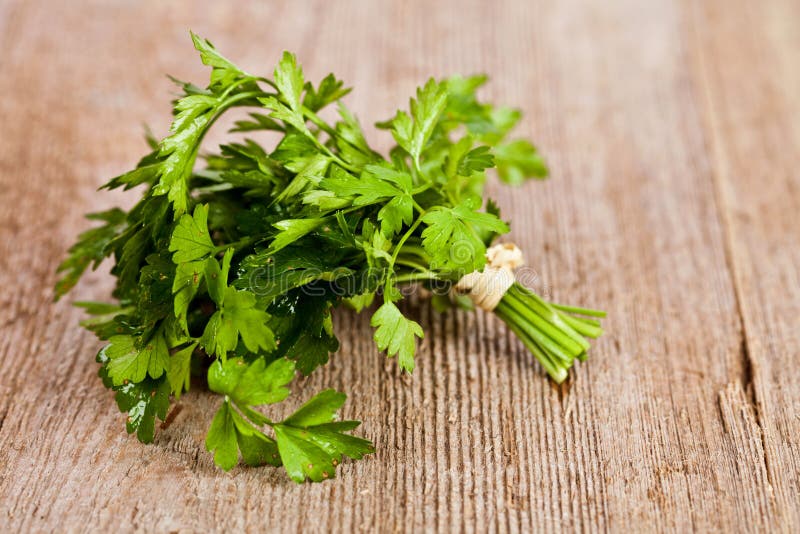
{"points": [[486, 289]]}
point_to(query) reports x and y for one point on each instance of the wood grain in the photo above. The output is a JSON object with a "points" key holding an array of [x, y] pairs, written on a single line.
{"points": [[673, 133]]}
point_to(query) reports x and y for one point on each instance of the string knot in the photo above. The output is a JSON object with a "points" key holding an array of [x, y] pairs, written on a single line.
{"points": [[486, 289]]}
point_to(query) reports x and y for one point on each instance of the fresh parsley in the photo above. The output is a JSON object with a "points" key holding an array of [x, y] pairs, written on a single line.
{"points": [[230, 269]]}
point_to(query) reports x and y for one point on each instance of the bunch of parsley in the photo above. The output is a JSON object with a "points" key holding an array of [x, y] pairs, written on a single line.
{"points": [[231, 271]]}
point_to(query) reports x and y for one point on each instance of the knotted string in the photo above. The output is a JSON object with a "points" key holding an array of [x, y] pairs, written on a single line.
{"points": [[486, 289]]}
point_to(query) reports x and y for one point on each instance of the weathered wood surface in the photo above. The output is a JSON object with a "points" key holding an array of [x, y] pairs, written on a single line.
{"points": [[673, 133]]}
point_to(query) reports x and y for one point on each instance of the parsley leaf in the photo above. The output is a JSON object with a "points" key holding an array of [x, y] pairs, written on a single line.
{"points": [[519, 160], [154, 295], [237, 316], [452, 240], [185, 285], [397, 212], [251, 384], [179, 370], [223, 72], [350, 140], [396, 334], [476, 160], [245, 385], [143, 402], [257, 121], [302, 324], [375, 184], [270, 275], [293, 229], [312, 170], [128, 362], [330, 90], [425, 111], [311, 444], [178, 151], [286, 114], [194, 114], [230, 433], [106, 318], [190, 239], [289, 80], [91, 249]]}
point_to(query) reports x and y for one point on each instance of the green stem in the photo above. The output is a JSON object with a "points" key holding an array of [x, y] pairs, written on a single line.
{"points": [[328, 129], [229, 103], [420, 189], [267, 81], [549, 314], [559, 336], [581, 311], [415, 277], [557, 372], [582, 327], [319, 123], [417, 251], [554, 336], [412, 264], [400, 246], [583, 320], [537, 335], [403, 239]]}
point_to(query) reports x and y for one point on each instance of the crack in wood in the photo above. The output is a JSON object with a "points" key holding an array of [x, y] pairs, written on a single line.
{"points": [[723, 210]]}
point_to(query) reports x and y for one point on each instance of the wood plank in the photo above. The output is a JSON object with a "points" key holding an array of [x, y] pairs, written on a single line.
{"points": [[749, 70], [659, 210], [651, 236]]}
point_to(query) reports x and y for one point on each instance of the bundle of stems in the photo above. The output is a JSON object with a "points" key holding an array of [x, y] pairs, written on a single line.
{"points": [[554, 333]]}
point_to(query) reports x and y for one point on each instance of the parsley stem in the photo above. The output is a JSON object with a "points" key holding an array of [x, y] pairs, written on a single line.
{"points": [[227, 103], [417, 251], [544, 309], [231, 101], [317, 121], [557, 372], [549, 330], [399, 247], [584, 328], [420, 189], [230, 89], [405, 237], [535, 333], [575, 326], [414, 277], [581, 311], [332, 155], [325, 127], [267, 81], [552, 331], [413, 264]]}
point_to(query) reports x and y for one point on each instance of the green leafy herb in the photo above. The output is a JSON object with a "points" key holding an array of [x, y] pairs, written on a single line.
{"points": [[129, 362], [311, 442], [396, 334], [230, 269], [453, 240]]}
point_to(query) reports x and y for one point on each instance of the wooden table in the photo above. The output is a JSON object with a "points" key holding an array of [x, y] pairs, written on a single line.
{"points": [[673, 134]]}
